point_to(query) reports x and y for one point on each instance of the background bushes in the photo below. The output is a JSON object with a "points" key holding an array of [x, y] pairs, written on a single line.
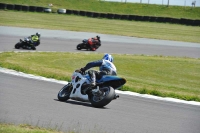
{"points": [[4, 6]]}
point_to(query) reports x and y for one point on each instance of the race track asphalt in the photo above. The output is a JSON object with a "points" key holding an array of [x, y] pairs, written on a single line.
{"points": [[32, 101], [66, 41]]}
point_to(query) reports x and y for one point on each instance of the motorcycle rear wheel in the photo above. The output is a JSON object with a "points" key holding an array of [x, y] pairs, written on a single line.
{"points": [[33, 48], [101, 101], [65, 92]]}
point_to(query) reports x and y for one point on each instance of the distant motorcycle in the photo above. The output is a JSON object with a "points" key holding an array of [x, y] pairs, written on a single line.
{"points": [[99, 96], [26, 44], [85, 45]]}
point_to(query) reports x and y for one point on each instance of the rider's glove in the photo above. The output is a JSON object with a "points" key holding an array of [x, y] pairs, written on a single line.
{"points": [[82, 70], [78, 70]]}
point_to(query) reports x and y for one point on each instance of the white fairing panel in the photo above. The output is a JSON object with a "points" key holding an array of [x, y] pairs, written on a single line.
{"points": [[77, 82]]}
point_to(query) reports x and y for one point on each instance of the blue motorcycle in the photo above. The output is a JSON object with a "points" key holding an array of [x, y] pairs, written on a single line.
{"points": [[99, 96]]}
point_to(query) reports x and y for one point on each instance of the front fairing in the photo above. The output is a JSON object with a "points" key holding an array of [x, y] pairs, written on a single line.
{"points": [[76, 76], [85, 41], [77, 80]]}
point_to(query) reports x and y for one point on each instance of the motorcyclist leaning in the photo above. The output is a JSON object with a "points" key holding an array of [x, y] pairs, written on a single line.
{"points": [[35, 39], [106, 67], [94, 41]]}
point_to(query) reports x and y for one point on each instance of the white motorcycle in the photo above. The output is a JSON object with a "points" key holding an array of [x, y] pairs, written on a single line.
{"points": [[99, 96]]}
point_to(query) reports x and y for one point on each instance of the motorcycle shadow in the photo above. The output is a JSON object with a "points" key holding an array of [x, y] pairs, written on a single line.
{"points": [[87, 104], [22, 49], [85, 50]]}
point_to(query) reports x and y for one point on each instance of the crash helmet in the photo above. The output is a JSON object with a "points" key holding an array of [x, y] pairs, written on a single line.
{"points": [[98, 37], [38, 34], [108, 57]]}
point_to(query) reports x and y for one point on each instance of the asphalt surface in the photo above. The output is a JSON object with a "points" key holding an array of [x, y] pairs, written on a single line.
{"points": [[66, 41], [31, 101]]}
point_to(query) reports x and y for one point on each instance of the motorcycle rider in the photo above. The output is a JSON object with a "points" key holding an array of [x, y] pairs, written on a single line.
{"points": [[35, 39], [94, 40], [106, 67]]}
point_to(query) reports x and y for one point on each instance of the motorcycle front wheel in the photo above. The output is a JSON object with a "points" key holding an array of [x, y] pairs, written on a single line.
{"points": [[65, 92], [104, 99], [79, 46], [17, 46]]}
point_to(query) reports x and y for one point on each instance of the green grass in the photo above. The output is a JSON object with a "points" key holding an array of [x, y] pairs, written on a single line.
{"points": [[116, 7], [25, 128], [117, 27], [161, 76]]}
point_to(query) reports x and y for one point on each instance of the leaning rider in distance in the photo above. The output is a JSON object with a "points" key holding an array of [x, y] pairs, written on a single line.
{"points": [[35, 39], [94, 40]]}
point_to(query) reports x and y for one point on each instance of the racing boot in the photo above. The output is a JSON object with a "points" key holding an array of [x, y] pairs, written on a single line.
{"points": [[97, 91], [93, 49], [93, 79]]}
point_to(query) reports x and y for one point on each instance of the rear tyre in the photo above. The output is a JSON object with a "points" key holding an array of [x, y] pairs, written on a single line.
{"points": [[33, 48], [101, 101], [65, 92]]}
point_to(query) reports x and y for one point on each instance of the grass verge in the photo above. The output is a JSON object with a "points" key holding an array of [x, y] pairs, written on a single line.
{"points": [[105, 26], [116, 7], [156, 75], [25, 128]]}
